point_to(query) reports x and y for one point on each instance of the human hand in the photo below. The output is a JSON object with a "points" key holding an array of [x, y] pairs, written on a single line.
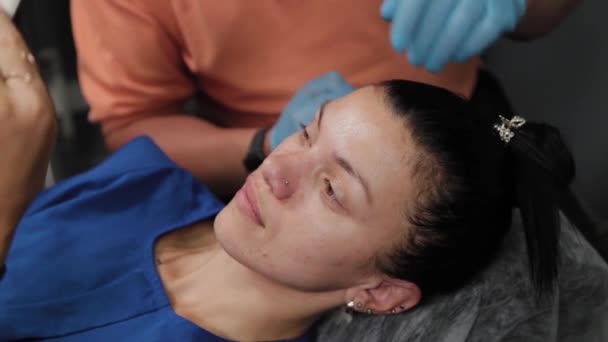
{"points": [[302, 108], [439, 31], [27, 125]]}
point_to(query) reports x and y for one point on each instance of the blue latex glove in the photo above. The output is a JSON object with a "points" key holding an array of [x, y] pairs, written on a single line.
{"points": [[435, 32], [305, 103]]}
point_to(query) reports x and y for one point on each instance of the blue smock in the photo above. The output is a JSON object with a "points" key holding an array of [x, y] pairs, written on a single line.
{"points": [[81, 266]]}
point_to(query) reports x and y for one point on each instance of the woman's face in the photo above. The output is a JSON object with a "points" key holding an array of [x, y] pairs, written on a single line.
{"points": [[327, 201]]}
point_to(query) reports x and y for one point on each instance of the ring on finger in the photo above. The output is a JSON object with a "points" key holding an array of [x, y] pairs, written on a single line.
{"points": [[24, 76]]}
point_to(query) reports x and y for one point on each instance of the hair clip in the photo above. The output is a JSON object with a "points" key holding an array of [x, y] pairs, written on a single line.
{"points": [[506, 127]]}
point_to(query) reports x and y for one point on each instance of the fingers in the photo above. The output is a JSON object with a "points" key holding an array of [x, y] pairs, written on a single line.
{"points": [[457, 28], [407, 18], [388, 9], [303, 106], [22, 86], [486, 32], [435, 32], [432, 27], [16, 61], [499, 16]]}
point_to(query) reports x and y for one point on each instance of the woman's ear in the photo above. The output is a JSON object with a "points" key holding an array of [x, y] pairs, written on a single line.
{"points": [[392, 295]]}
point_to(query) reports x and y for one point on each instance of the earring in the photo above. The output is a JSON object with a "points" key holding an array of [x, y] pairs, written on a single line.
{"points": [[28, 57], [369, 311], [350, 309]]}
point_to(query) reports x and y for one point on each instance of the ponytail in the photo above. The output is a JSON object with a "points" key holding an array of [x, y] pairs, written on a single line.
{"points": [[543, 169], [542, 165], [472, 171]]}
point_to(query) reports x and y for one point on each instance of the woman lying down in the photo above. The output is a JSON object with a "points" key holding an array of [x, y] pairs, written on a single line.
{"points": [[393, 194]]}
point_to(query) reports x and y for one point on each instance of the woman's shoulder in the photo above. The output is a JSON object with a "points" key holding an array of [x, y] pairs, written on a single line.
{"points": [[91, 237], [137, 174], [114, 210]]}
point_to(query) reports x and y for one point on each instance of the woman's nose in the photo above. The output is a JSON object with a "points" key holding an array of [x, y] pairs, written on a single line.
{"points": [[283, 173]]}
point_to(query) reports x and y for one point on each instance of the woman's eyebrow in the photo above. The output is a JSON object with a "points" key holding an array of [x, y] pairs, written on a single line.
{"points": [[343, 163], [321, 112]]}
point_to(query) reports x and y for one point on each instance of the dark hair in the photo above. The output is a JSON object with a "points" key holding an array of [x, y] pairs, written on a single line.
{"points": [[469, 181]]}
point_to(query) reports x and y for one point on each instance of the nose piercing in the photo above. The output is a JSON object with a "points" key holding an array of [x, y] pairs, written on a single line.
{"points": [[286, 182]]}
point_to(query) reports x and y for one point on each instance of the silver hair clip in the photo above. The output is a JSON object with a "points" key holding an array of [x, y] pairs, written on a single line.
{"points": [[505, 127]]}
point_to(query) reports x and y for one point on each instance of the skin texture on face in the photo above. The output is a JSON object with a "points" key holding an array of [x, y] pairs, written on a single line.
{"points": [[321, 229]]}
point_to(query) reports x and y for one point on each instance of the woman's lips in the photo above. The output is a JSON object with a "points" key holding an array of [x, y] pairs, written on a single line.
{"points": [[246, 200]]}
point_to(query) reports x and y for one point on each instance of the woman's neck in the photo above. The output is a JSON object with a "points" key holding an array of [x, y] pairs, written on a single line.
{"points": [[210, 288]]}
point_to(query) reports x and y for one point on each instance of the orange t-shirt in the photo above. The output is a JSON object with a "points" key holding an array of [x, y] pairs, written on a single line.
{"points": [[137, 57]]}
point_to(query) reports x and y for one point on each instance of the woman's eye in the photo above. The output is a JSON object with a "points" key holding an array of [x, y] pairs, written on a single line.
{"points": [[304, 131], [329, 191]]}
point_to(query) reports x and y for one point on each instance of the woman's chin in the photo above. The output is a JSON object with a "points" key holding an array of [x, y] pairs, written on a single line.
{"points": [[224, 220], [231, 231]]}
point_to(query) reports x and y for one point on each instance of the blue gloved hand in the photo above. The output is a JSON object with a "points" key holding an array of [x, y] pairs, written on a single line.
{"points": [[302, 108], [435, 32]]}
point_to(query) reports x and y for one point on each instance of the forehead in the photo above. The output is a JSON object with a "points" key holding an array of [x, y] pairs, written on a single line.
{"points": [[376, 141]]}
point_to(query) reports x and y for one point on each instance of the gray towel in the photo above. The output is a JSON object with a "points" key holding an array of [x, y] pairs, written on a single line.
{"points": [[499, 305]]}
